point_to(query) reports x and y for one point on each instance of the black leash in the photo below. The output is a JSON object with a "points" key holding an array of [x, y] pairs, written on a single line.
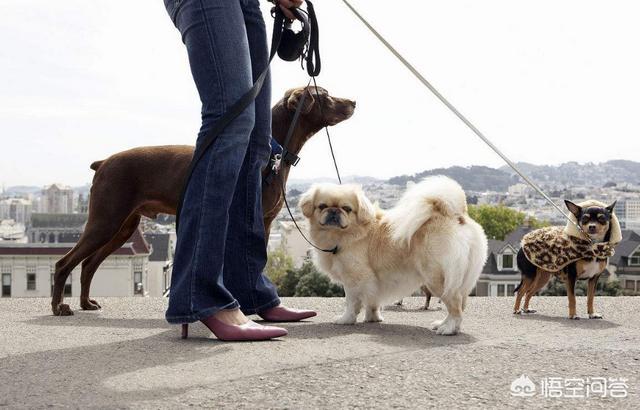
{"points": [[239, 106]]}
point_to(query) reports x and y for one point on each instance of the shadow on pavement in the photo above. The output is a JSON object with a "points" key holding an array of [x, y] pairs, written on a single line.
{"points": [[583, 323]]}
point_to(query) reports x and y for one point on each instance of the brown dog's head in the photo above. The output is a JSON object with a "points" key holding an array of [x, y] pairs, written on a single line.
{"points": [[320, 109], [337, 209], [594, 218]]}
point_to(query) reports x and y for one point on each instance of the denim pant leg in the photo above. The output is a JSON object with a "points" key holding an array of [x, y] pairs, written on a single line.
{"points": [[246, 254], [217, 45]]}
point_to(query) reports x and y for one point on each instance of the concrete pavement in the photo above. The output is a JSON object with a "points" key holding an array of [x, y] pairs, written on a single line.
{"points": [[127, 356]]}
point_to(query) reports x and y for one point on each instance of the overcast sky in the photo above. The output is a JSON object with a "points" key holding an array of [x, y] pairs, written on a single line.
{"points": [[548, 81]]}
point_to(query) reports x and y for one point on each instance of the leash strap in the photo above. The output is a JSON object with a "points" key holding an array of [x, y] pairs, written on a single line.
{"points": [[236, 109], [468, 123]]}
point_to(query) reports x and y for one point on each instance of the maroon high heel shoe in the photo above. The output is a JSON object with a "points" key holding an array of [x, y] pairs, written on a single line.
{"points": [[248, 331], [285, 314]]}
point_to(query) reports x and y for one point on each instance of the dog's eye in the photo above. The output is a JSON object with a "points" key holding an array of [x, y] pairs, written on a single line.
{"points": [[347, 209], [586, 218], [322, 206], [602, 219]]}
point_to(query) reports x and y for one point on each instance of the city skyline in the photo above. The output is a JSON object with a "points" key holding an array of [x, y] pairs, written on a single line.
{"points": [[547, 88]]}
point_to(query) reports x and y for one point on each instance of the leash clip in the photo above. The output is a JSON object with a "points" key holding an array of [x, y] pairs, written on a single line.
{"points": [[277, 163]]}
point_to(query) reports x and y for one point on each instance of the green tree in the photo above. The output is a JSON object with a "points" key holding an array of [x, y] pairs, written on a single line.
{"points": [[314, 283], [498, 220], [278, 264]]}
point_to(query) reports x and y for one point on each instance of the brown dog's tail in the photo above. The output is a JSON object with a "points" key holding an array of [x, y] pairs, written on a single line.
{"points": [[94, 166]]}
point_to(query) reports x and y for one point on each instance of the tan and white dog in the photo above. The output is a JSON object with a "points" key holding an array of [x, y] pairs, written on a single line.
{"points": [[428, 239]]}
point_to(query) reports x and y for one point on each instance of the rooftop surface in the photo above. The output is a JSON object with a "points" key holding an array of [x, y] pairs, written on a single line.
{"points": [[127, 356]]}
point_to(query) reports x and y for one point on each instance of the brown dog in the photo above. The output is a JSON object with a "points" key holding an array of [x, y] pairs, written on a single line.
{"points": [[148, 181]]}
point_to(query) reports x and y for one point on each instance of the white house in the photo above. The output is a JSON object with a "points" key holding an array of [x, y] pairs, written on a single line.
{"points": [[160, 263], [27, 270]]}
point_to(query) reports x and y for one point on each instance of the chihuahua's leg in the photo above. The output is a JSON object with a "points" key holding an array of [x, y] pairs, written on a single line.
{"points": [[353, 304], [525, 283], [91, 264], [591, 293], [570, 283], [541, 279]]}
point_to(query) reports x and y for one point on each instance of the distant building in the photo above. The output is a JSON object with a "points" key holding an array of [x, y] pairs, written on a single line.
{"points": [[27, 270], [57, 199], [160, 263], [625, 264], [18, 209], [10, 230], [519, 190], [284, 234], [56, 228], [628, 211], [500, 274]]}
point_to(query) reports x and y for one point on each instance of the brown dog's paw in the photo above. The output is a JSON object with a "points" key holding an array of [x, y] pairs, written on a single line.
{"points": [[595, 316], [529, 311], [90, 304], [574, 317], [62, 310]]}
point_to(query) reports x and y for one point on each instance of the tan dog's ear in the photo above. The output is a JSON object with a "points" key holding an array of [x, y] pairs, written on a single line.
{"points": [[294, 98], [306, 202], [366, 210]]}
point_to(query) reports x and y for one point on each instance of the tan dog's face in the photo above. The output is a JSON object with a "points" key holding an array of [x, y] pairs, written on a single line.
{"points": [[337, 207], [320, 107]]}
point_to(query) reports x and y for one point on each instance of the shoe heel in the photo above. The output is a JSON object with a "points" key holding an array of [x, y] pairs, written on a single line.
{"points": [[185, 330]]}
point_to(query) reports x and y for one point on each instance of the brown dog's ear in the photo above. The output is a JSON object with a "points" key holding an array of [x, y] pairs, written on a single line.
{"points": [[573, 208], [306, 202], [294, 98], [366, 210]]}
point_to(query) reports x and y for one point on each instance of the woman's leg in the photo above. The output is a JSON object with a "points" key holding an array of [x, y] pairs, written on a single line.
{"points": [[246, 254], [216, 40]]}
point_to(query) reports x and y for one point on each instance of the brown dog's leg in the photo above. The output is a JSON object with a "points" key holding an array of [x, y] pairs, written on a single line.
{"points": [[91, 264], [427, 294], [97, 233], [591, 293], [542, 277]]}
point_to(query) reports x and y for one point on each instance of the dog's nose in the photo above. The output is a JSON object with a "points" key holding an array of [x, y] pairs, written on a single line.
{"points": [[592, 229]]}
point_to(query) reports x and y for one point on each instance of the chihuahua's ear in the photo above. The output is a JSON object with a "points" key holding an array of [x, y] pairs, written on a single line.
{"points": [[306, 202], [611, 207], [573, 208], [294, 98], [366, 210]]}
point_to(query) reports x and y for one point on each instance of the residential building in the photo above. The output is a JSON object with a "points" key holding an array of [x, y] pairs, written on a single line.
{"points": [[10, 230], [27, 270], [285, 234], [17, 209], [56, 228], [500, 275], [160, 263], [625, 263], [57, 199]]}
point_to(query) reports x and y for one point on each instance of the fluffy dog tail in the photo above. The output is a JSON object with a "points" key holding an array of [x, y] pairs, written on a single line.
{"points": [[438, 195]]}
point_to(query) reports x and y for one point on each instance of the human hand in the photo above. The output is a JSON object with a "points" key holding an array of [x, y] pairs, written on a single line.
{"points": [[285, 5]]}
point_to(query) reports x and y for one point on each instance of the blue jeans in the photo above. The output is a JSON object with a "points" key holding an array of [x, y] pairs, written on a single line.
{"points": [[221, 248]]}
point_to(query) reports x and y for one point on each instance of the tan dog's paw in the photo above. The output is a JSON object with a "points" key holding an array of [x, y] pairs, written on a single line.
{"points": [[345, 319], [436, 324], [373, 317], [574, 317], [595, 316], [62, 310]]}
